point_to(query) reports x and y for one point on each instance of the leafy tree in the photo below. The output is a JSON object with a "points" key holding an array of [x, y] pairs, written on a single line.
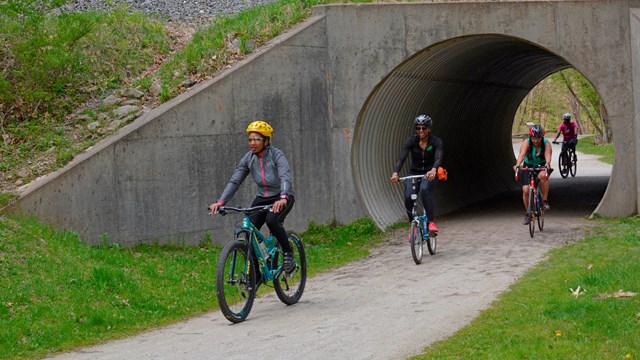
{"points": [[565, 91]]}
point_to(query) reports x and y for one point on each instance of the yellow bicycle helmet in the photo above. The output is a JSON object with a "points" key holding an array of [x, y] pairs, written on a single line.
{"points": [[261, 127]]}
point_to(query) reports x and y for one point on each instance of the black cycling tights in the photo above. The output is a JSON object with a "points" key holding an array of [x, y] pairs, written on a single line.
{"points": [[425, 195], [274, 221]]}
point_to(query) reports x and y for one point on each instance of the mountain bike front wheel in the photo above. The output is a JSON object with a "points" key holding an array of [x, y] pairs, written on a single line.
{"points": [[415, 240], [573, 162], [532, 212], [235, 282], [431, 244], [289, 287], [564, 163], [540, 212]]}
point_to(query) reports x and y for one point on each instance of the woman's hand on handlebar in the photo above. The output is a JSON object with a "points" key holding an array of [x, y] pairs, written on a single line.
{"points": [[430, 175], [215, 207], [395, 178], [279, 205]]}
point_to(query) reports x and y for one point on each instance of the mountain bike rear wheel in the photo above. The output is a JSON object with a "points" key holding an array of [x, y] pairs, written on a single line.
{"points": [[289, 287], [573, 162], [564, 164], [235, 282], [415, 240]]}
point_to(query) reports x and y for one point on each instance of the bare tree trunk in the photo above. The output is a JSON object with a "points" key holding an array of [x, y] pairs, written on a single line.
{"points": [[593, 122], [575, 109], [522, 124], [607, 136]]}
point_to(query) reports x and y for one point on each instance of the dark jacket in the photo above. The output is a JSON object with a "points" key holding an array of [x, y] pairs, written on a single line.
{"points": [[421, 160]]}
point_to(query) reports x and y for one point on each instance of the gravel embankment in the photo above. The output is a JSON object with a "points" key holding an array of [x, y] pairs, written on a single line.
{"points": [[183, 11]]}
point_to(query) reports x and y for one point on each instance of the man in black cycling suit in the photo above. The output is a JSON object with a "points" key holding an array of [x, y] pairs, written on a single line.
{"points": [[426, 157], [271, 172]]}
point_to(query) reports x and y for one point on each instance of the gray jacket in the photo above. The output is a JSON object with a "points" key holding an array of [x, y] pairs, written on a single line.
{"points": [[271, 173]]}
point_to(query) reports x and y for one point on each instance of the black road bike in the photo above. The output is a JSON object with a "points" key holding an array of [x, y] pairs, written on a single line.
{"points": [[568, 160]]}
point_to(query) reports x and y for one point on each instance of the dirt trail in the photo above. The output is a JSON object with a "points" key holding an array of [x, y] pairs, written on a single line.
{"points": [[385, 306]]}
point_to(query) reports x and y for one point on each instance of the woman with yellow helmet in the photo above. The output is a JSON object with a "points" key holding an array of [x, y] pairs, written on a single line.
{"points": [[272, 174]]}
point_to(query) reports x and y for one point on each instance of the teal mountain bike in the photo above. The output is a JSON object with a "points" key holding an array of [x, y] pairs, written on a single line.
{"points": [[251, 260], [419, 233]]}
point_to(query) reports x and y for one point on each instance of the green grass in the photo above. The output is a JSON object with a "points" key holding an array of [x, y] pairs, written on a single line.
{"points": [[539, 318], [59, 293], [52, 65], [250, 28], [604, 151]]}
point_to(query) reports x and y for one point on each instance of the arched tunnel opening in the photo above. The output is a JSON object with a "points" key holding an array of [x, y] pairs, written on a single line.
{"points": [[471, 86]]}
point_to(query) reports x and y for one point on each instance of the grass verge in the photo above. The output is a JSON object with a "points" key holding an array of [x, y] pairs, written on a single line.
{"points": [[545, 316], [604, 151], [58, 293]]}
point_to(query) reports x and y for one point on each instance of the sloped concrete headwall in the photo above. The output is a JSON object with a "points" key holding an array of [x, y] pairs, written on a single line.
{"points": [[153, 181], [341, 90]]}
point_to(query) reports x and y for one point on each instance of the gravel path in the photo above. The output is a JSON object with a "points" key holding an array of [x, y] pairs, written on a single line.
{"points": [[385, 306]]}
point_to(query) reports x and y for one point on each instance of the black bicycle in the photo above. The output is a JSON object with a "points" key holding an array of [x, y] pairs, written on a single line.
{"points": [[419, 232], [251, 260], [568, 160], [535, 210]]}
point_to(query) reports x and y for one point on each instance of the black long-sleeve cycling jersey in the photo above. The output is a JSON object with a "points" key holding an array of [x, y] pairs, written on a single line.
{"points": [[421, 160]]}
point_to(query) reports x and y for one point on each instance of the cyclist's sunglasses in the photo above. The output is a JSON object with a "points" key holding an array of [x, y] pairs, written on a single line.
{"points": [[421, 128], [255, 139], [536, 138]]}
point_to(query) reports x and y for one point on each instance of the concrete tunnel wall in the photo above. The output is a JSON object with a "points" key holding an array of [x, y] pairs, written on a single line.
{"points": [[341, 90], [470, 70], [471, 87]]}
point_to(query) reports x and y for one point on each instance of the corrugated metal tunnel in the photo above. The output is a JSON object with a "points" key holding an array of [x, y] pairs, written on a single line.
{"points": [[471, 87]]}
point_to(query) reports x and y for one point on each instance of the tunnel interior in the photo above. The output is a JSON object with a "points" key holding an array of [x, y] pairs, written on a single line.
{"points": [[471, 87]]}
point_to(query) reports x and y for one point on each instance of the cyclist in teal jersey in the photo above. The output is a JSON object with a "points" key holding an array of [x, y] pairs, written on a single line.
{"points": [[534, 151]]}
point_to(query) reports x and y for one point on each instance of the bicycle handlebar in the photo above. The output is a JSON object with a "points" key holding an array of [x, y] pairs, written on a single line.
{"points": [[563, 141], [222, 210], [411, 177], [533, 168]]}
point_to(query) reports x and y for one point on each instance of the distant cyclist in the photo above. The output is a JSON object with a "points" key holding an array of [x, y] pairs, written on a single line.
{"points": [[271, 172], [534, 151], [426, 156], [569, 131]]}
